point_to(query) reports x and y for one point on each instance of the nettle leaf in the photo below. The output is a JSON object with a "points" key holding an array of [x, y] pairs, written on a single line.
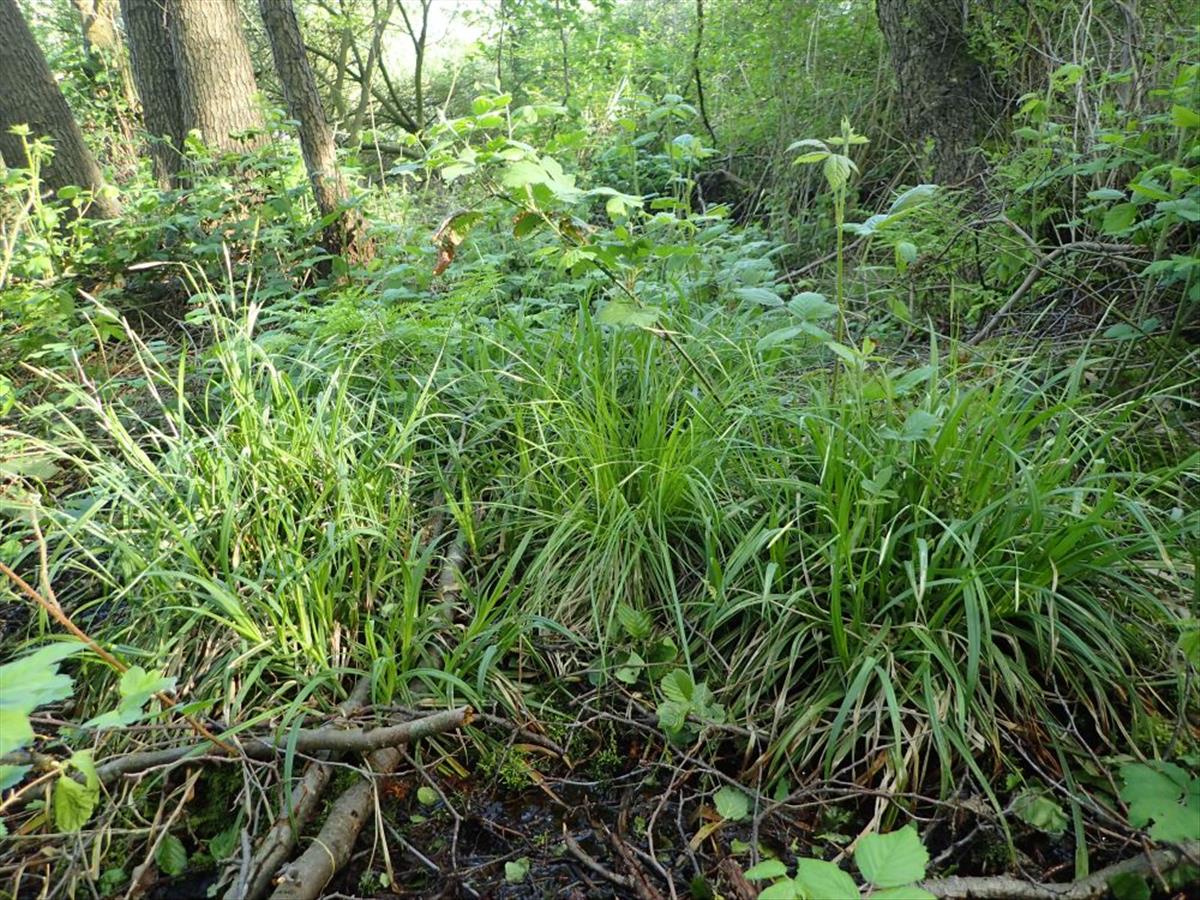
{"points": [[33, 680], [914, 196], [837, 171], [171, 857], [759, 295], [73, 804], [1106, 194], [768, 868], [678, 686], [811, 307], [1119, 218], [892, 860], [817, 878], [522, 173], [626, 312], [1186, 208], [731, 804], [784, 335], [1184, 117]]}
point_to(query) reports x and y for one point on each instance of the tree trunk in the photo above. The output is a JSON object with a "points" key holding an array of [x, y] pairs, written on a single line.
{"points": [[945, 96], [418, 42], [99, 28], [149, 35], [29, 95], [216, 79], [345, 234]]}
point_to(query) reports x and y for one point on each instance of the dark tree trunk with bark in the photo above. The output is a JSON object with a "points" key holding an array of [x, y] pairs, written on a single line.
{"points": [[148, 31], [29, 95], [945, 95], [216, 79], [345, 234]]}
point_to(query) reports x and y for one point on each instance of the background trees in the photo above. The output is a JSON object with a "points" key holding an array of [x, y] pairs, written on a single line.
{"points": [[343, 234], [30, 96], [217, 89], [945, 93], [147, 24]]}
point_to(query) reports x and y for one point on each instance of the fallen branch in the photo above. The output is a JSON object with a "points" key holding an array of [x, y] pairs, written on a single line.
{"points": [[1004, 887], [1034, 274], [280, 840], [306, 878], [308, 742]]}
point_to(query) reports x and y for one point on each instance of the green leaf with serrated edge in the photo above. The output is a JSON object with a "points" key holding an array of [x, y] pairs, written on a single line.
{"points": [[636, 622], [33, 680], [768, 868], [837, 171], [818, 878], [1184, 117], [15, 730], [811, 307], [761, 296], [907, 892], [892, 860], [223, 843], [672, 716], [171, 857], [678, 686], [914, 196], [73, 804], [1119, 218], [731, 804], [10, 776], [782, 890], [137, 682], [625, 312], [516, 870]]}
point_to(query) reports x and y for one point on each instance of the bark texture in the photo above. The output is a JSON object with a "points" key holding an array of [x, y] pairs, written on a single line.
{"points": [[945, 94], [147, 27], [29, 95], [216, 79], [98, 25], [345, 233]]}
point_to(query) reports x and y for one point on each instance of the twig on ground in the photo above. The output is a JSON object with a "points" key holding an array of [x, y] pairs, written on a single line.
{"points": [[305, 878], [580, 854], [279, 841], [1003, 887]]}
